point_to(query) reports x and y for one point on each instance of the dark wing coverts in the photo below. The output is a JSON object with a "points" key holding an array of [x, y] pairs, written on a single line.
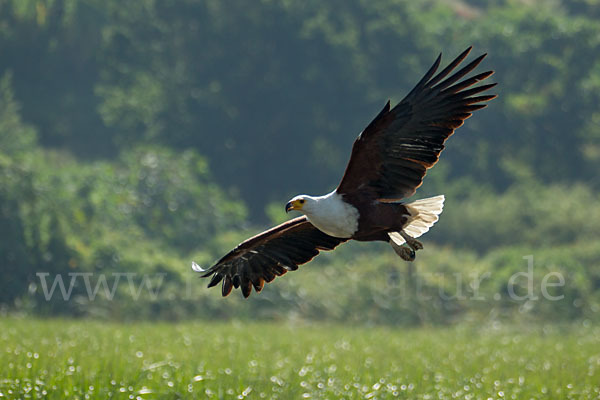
{"points": [[391, 156], [269, 254]]}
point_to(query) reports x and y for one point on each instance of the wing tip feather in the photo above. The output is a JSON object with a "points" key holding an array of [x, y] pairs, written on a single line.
{"points": [[197, 268], [215, 280], [227, 286]]}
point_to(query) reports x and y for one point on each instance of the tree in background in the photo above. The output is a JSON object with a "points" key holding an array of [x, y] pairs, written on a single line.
{"points": [[127, 106], [274, 93], [59, 215]]}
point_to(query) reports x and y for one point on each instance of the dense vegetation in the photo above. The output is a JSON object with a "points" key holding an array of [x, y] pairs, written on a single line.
{"points": [[64, 359], [137, 136]]}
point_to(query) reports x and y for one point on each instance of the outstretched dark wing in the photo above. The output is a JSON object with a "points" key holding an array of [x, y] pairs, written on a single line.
{"points": [[269, 254], [391, 156]]}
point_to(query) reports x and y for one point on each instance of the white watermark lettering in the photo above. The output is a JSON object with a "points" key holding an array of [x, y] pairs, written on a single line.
{"points": [[152, 283]]}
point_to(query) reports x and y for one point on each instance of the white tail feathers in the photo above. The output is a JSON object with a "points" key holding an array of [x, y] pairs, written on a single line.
{"points": [[424, 213]]}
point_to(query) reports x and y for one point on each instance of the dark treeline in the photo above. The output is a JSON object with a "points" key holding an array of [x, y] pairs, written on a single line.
{"points": [[279, 90], [135, 136]]}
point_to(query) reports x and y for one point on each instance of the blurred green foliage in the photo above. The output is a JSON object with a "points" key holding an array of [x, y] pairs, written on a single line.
{"points": [[137, 136], [245, 83], [61, 215]]}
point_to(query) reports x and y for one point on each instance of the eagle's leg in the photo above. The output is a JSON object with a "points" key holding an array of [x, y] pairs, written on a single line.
{"points": [[411, 241], [405, 252]]}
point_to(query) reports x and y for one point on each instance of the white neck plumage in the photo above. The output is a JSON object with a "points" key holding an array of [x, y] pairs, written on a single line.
{"points": [[331, 214]]}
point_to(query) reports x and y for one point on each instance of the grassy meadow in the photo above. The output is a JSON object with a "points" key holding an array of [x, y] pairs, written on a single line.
{"points": [[84, 359]]}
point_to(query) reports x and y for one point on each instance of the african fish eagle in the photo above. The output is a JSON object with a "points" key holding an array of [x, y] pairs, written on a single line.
{"points": [[388, 162]]}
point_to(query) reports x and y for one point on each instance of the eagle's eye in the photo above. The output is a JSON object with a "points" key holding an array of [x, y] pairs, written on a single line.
{"points": [[301, 201]]}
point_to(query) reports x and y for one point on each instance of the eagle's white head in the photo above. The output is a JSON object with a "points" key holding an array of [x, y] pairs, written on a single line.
{"points": [[303, 203]]}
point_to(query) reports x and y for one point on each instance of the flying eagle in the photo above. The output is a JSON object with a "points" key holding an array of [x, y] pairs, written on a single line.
{"points": [[388, 162]]}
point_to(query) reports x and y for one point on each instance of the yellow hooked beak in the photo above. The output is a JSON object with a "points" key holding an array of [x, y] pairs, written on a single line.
{"points": [[294, 205]]}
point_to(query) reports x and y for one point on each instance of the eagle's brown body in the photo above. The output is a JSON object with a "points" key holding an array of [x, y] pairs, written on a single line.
{"points": [[379, 219]]}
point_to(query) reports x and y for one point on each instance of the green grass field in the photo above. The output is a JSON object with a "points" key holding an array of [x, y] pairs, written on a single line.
{"points": [[85, 359]]}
